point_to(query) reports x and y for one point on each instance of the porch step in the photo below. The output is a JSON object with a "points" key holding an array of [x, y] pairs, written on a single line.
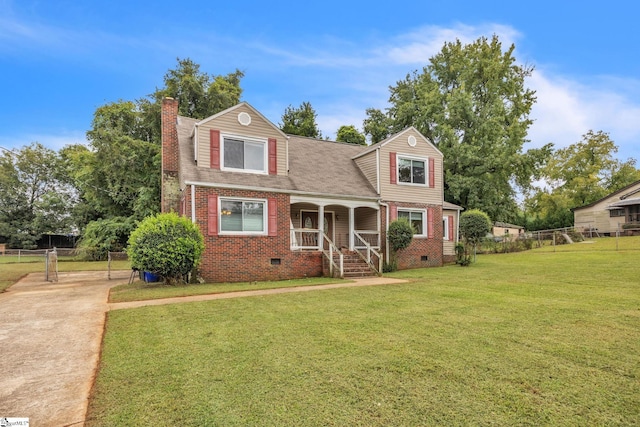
{"points": [[354, 266]]}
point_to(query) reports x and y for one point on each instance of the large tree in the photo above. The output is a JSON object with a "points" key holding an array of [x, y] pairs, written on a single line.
{"points": [[34, 197], [472, 103], [578, 175], [300, 121], [350, 135], [118, 174]]}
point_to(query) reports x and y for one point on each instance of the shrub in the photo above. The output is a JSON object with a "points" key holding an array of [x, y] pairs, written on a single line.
{"points": [[167, 245], [474, 226], [400, 234], [103, 236]]}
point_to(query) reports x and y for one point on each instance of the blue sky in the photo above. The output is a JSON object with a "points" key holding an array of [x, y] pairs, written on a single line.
{"points": [[60, 60]]}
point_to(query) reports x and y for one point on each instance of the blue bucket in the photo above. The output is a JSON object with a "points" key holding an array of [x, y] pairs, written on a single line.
{"points": [[150, 277]]}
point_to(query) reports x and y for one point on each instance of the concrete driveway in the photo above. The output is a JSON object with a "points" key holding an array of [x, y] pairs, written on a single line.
{"points": [[50, 337], [51, 334]]}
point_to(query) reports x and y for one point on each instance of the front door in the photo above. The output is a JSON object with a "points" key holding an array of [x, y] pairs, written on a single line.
{"points": [[309, 219]]}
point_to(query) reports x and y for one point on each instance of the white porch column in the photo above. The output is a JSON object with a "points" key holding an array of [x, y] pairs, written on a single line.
{"points": [[351, 228], [320, 227]]}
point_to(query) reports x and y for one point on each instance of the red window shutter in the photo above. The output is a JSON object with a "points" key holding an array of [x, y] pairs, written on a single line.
{"points": [[212, 215], [272, 207], [430, 223], [214, 147], [393, 213], [451, 235], [392, 167], [432, 173], [273, 156]]}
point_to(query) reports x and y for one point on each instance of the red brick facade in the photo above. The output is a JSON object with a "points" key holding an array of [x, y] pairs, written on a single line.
{"points": [[423, 251], [243, 258]]}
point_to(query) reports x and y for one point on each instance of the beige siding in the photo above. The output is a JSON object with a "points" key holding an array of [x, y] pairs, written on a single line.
{"points": [[449, 246], [598, 217], [513, 233], [410, 193], [228, 123], [368, 166]]}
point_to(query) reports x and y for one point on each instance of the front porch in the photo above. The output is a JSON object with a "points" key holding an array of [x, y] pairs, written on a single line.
{"points": [[337, 228]]}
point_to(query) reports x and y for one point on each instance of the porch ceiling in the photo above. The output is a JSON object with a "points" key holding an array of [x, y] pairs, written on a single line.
{"points": [[348, 203]]}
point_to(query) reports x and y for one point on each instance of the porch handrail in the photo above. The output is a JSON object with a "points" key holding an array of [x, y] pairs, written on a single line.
{"points": [[370, 251], [328, 253], [363, 234], [297, 238]]}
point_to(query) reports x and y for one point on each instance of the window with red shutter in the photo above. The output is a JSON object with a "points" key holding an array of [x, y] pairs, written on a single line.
{"points": [[212, 215], [214, 147], [432, 173], [273, 156], [273, 217], [392, 168]]}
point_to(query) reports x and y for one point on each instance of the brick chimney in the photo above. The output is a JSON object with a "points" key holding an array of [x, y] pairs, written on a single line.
{"points": [[170, 199]]}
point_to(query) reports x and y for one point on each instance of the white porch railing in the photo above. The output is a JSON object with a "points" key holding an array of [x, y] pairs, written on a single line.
{"points": [[329, 254], [368, 253], [367, 237], [305, 238]]}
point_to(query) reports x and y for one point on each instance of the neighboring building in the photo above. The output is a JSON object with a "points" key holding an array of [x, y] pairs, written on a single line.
{"points": [[277, 206], [507, 231], [610, 213]]}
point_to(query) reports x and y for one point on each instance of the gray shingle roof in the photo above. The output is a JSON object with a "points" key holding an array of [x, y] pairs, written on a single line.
{"points": [[315, 166]]}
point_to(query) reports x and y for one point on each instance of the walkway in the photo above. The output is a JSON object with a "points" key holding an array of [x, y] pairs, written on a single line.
{"points": [[51, 336]]}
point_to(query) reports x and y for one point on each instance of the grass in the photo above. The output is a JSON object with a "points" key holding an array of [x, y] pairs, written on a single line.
{"points": [[139, 291], [10, 273], [531, 338]]}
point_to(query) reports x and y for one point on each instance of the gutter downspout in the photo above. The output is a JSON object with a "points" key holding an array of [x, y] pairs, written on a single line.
{"points": [[193, 203], [386, 235]]}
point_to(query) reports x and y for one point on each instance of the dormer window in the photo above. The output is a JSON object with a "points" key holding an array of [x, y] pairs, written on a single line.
{"points": [[244, 154], [411, 170]]}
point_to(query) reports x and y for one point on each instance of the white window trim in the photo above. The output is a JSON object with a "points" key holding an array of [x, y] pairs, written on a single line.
{"points": [[412, 157], [265, 217], [265, 160], [445, 226], [424, 219]]}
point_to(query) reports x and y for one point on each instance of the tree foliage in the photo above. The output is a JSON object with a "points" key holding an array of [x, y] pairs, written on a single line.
{"points": [[377, 125], [167, 245], [474, 226], [34, 197], [300, 121], [350, 135], [118, 174], [103, 236], [472, 103], [576, 176], [400, 234]]}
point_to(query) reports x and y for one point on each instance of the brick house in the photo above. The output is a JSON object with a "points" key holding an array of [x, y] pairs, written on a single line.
{"points": [[276, 206]]}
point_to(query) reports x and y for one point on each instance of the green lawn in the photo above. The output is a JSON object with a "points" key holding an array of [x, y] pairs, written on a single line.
{"points": [[532, 338]]}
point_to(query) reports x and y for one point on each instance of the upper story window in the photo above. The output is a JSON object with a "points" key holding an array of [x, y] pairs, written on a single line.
{"points": [[243, 154], [412, 170], [416, 218]]}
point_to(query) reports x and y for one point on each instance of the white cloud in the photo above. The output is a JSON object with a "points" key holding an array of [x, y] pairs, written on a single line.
{"points": [[567, 109], [416, 47]]}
